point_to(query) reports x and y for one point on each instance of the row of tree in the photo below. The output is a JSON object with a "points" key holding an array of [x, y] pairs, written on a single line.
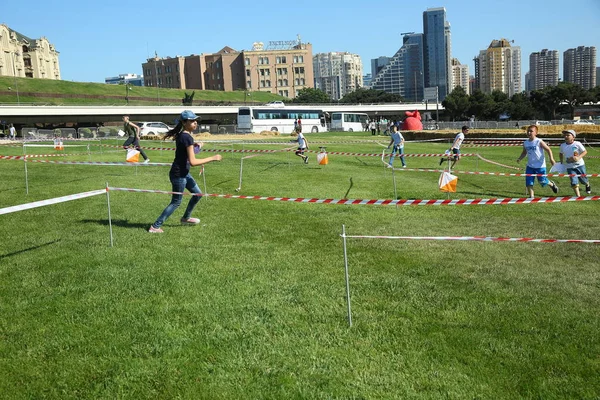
{"points": [[549, 103]]}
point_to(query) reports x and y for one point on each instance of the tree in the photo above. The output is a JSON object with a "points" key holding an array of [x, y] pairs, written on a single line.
{"points": [[311, 95], [520, 107], [370, 96], [546, 101], [501, 105], [481, 105], [456, 104], [571, 94]]}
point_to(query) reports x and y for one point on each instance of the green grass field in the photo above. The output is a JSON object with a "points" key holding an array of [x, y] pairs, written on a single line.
{"points": [[251, 303]]}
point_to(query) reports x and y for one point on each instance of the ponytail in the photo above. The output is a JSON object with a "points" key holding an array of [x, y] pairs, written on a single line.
{"points": [[175, 131]]}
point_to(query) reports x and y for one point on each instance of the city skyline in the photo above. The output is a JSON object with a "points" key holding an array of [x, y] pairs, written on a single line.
{"points": [[96, 41]]}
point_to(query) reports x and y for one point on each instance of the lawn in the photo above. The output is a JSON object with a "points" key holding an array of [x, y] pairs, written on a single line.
{"points": [[252, 302]]}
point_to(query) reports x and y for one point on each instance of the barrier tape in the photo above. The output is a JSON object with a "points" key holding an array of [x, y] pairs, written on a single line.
{"points": [[494, 173], [37, 155], [497, 163], [478, 239], [380, 202], [129, 164], [56, 200], [53, 145]]}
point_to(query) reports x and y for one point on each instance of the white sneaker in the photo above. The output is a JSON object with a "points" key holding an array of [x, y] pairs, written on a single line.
{"points": [[146, 161]]}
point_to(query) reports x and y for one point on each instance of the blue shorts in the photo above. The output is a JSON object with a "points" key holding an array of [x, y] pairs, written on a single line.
{"points": [[456, 153], [530, 180], [580, 170]]}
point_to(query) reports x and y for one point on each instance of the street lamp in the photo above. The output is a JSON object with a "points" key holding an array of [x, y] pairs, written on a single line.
{"points": [[156, 72], [127, 89], [16, 53]]}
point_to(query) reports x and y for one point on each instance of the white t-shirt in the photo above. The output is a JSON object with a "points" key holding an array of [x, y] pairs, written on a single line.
{"points": [[458, 141], [12, 131], [535, 153], [398, 138], [301, 141], [569, 150]]}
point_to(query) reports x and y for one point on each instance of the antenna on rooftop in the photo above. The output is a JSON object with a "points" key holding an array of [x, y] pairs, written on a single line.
{"points": [[406, 33]]}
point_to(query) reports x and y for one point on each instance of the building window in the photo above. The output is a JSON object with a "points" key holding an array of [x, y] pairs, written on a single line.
{"points": [[280, 82], [249, 84], [262, 83], [268, 83], [248, 73], [247, 61], [281, 60], [298, 70], [285, 82]]}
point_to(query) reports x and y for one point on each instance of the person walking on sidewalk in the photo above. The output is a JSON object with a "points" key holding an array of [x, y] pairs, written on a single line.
{"points": [[133, 137], [534, 148], [179, 175]]}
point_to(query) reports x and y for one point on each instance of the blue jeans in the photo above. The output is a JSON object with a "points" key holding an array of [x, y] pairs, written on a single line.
{"points": [[580, 170], [397, 150], [178, 185], [530, 180]]}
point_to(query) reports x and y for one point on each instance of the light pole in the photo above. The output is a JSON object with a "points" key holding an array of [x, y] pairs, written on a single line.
{"points": [[127, 89], [16, 53], [156, 72]]}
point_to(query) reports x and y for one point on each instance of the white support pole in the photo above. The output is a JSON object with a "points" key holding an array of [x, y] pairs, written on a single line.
{"points": [[347, 276], [109, 217], [25, 164]]}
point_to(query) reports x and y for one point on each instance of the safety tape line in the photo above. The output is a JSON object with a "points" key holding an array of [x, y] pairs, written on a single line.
{"points": [[56, 200], [496, 163], [379, 202], [504, 145], [52, 145], [35, 155], [494, 173], [128, 164], [479, 239]]}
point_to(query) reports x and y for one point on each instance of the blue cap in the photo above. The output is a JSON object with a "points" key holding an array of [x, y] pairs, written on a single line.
{"points": [[188, 115]]}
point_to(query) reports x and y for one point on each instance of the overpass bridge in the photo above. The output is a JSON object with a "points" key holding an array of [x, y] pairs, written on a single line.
{"points": [[30, 115]]}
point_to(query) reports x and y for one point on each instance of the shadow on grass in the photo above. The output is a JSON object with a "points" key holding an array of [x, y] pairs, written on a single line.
{"points": [[14, 253], [122, 223]]}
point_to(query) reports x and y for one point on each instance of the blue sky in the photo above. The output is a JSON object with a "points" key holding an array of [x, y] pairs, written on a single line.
{"points": [[106, 38]]}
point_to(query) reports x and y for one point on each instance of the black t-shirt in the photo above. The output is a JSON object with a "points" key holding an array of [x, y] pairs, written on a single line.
{"points": [[181, 165]]}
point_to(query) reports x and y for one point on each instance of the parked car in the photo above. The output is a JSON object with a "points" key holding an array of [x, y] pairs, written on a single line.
{"points": [[276, 104], [153, 128], [583, 122], [543, 123]]}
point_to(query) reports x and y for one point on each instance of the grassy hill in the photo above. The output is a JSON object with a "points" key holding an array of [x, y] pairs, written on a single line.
{"points": [[51, 92]]}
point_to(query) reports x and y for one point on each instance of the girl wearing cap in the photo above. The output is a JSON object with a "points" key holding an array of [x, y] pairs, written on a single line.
{"points": [[179, 174], [572, 152]]}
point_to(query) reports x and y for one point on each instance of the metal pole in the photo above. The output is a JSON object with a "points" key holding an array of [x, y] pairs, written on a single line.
{"points": [[241, 169], [347, 276], [394, 178], [25, 164], [109, 217], [437, 105]]}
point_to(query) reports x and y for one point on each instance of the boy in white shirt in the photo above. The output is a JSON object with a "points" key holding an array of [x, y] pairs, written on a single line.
{"points": [[571, 154], [398, 141], [534, 148]]}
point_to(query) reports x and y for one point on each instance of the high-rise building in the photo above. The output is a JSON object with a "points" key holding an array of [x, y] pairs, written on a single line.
{"points": [[402, 75], [499, 68], [597, 76], [460, 76], [24, 57], [377, 64], [580, 66], [337, 74], [367, 81], [284, 68], [437, 51], [543, 69]]}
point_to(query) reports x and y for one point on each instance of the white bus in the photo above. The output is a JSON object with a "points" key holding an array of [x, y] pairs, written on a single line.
{"points": [[258, 119], [348, 122]]}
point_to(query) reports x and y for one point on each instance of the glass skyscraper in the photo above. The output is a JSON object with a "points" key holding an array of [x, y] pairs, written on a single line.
{"points": [[437, 51]]}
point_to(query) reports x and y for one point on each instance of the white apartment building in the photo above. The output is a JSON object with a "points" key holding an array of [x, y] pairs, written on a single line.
{"points": [[543, 69], [580, 66], [460, 75], [337, 73], [24, 57]]}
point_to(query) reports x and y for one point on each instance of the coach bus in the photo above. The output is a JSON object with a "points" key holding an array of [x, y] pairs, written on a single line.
{"points": [[258, 119], [348, 122]]}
